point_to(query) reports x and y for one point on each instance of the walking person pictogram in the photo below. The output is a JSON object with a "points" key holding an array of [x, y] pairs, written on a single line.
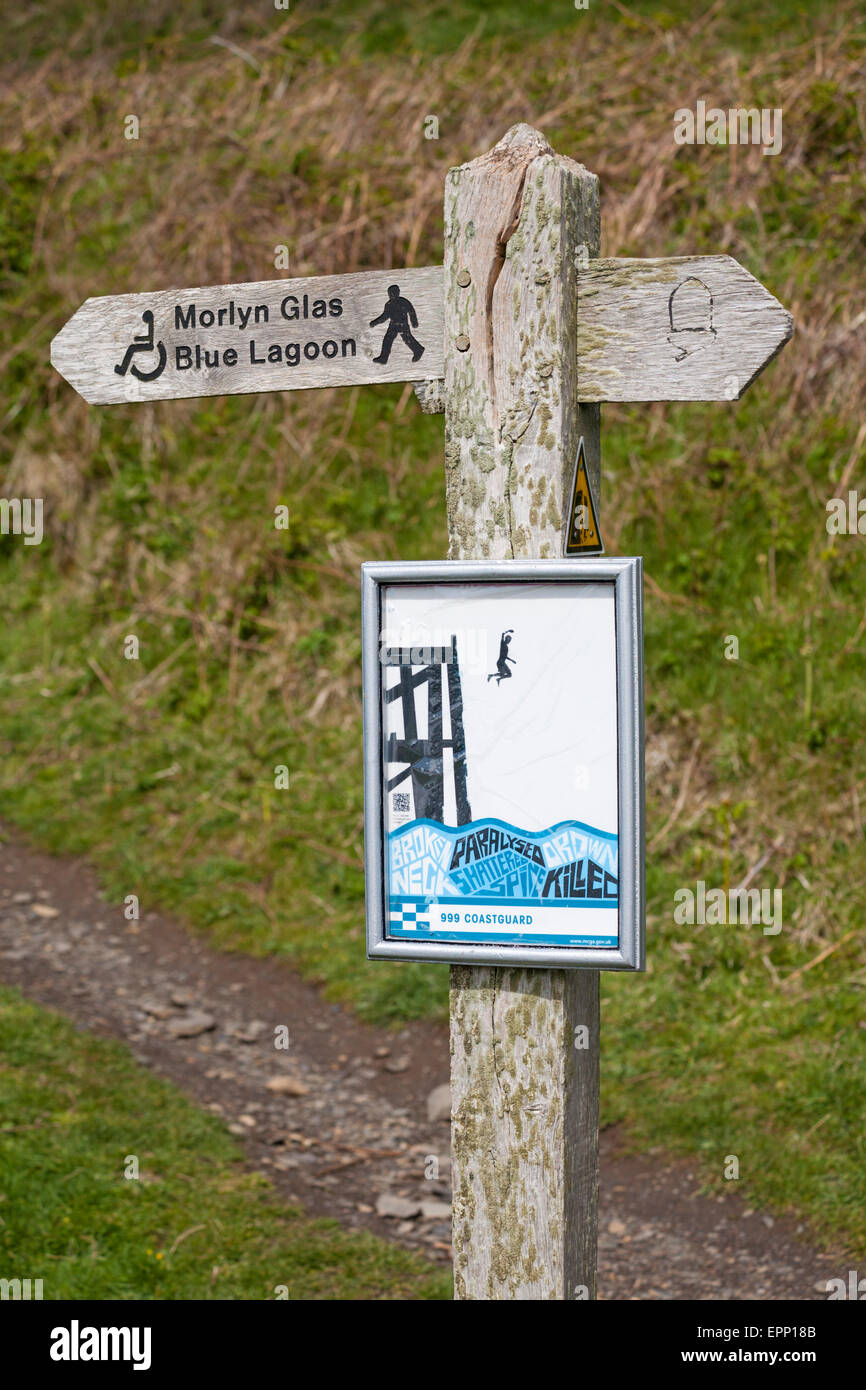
{"points": [[400, 314], [143, 343], [502, 672]]}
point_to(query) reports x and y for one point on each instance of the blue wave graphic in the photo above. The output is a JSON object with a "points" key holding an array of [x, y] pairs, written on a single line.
{"points": [[568, 863]]}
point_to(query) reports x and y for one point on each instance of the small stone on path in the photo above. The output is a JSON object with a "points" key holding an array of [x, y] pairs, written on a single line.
{"points": [[390, 1204], [439, 1103], [287, 1086], [190, 1025], [435, 1211]]}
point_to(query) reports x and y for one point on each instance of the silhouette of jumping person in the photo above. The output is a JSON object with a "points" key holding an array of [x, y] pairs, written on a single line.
{"points": [[502, 672], [143, 343], [400, 313]]}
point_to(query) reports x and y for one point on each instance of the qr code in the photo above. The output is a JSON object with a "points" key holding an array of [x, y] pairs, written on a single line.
{"points": [[400, 801]]}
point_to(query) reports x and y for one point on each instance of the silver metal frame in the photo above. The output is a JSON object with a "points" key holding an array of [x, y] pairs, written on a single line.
{"points": [[627, 577]]}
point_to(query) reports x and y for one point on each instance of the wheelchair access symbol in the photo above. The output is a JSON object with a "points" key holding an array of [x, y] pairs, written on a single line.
{"points": [[143, 343]]}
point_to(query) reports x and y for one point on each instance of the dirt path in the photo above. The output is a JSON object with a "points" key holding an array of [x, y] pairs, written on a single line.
{"points": [[356, 1136]]}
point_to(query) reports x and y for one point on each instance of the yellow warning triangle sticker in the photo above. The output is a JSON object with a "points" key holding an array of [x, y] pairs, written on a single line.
{"points": [[583, 536]]}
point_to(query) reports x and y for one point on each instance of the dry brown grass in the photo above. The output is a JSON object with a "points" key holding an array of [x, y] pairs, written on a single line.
{"points": [[234, 159]]}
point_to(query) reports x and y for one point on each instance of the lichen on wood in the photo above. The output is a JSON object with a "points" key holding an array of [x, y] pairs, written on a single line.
{"points": [[524, 1100]]}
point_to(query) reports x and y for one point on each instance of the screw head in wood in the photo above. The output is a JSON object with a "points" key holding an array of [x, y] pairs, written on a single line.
{"points": [[462, 343], [464, 278]]}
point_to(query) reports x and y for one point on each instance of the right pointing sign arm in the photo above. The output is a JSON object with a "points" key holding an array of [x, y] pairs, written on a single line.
{"points": [[685, 328], [680, 328]]}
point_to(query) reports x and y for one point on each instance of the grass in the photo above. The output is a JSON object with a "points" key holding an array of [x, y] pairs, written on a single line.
{"points": [[160, 518], [373, 27], [193, 1225]]}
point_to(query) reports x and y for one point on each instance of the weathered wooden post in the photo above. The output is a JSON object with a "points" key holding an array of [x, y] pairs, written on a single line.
{"points": [[519, 222]]}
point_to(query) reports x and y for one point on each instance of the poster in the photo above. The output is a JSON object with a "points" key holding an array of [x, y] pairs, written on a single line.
{"points": [[500, 728]]}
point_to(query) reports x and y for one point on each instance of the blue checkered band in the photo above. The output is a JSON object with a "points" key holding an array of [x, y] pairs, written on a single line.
{"points": [[407, 917]]}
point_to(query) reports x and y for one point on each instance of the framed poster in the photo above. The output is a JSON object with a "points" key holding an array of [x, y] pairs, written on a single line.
{"points": [[503, 762]]}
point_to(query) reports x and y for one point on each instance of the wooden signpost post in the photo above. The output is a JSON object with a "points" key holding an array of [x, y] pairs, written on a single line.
{"points": [[518, 337]]}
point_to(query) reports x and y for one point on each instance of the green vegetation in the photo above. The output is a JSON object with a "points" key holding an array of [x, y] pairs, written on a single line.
{"points": [[376, 28], [193, 1225], [159, 520]]}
